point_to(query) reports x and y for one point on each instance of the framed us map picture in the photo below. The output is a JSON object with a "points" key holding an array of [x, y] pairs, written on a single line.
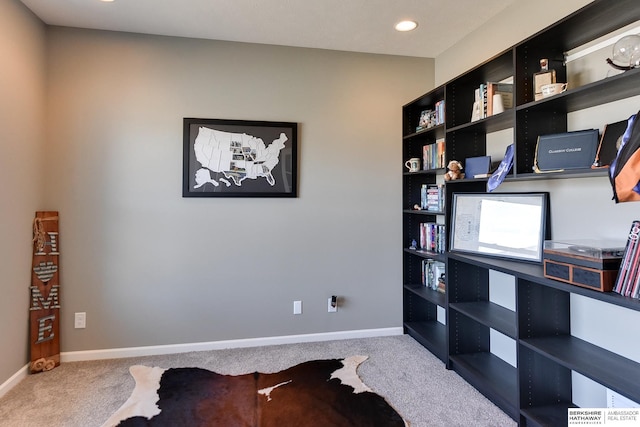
{"points": [[239, 158]]}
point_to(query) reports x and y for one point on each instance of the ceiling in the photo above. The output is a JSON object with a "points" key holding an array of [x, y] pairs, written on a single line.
{"points": [[349, 25]]}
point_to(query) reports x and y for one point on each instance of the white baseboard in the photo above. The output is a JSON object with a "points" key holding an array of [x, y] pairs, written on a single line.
{"points": [[116, 353], [14, 380]]}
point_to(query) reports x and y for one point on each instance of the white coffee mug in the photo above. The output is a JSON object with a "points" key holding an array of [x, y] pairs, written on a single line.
{"points": [[413, 164], [553, 89]]}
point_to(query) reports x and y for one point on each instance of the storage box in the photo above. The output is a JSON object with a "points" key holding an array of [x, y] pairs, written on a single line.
{"points": [[592, 264]]}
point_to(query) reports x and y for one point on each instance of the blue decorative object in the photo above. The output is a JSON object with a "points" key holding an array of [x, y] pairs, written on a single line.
{"points": [[505, 166]]}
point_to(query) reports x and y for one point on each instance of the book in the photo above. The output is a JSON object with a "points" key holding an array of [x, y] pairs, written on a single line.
{"points": [[635, 288], [435, 195], [474, 166], [437, 271], [477, 106], [633, 272], [608, 145], [440, 153], [439, 107], [426, 120], [432, 237], [432, 271], [505, 90], [629, 263], [628, 270], [483, 100], [425, 267], [433, 155], [431, 117], [484, 96]]}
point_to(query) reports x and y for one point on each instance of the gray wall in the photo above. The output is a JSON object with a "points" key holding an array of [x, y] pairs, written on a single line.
{"points": [[152, 268], [22, 91]]}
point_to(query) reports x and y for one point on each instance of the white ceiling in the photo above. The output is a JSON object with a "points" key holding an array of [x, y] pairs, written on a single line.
{"points": [[350, 25]]}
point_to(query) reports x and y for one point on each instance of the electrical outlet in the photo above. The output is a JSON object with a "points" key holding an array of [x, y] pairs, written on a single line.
{"points": [[297, 307], [332, 304], [80, 320]]}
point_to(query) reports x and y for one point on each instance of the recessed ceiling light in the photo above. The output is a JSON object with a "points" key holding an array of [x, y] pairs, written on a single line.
{"points": [[406, 25], [106, 1]]}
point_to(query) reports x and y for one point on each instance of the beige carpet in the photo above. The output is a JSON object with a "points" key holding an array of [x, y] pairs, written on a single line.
{"points": [[411, 379]]}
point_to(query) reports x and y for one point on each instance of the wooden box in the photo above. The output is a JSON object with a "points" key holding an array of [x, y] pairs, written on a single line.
{"points": [[586, 263]]}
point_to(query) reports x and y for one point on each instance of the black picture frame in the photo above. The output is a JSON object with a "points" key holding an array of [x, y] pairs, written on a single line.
{"points": [[501, 225], [239, 158]]}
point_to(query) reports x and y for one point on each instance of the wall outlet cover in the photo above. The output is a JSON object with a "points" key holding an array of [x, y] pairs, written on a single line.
{"points": [[330, 308], [80, 320]]}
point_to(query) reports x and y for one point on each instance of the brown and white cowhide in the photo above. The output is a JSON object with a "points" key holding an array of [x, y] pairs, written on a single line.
{"points": [[316, 393]]}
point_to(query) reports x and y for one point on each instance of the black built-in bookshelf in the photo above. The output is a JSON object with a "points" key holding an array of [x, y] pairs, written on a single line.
{"points": [[539, 390]]}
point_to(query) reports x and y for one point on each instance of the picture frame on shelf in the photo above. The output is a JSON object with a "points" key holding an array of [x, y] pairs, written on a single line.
{"points": [[493, 224], [239, 158]]}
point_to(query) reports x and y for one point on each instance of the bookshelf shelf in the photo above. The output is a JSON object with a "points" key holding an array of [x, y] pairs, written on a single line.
{"points": [[426, 293], [490, 314], [590, 95], [539, 390], [423, 212], [427, 254], [493, 123], [610, 369], [438, 129], [548, 415], [491, 376], [568, 174], [431, 334], [425, 172], [534, 273]]}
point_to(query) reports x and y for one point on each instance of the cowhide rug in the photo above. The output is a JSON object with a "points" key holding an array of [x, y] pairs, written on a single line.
{"points": [[317, 393]]}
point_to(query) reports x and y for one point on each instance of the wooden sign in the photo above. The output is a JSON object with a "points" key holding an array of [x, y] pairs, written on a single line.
{"points": [[44, 311]]}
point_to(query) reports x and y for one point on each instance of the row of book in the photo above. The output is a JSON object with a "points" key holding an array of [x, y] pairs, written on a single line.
{"points": [[628, 280], [484, 105], [432, 237], [433, 275], [432, 117], [433, 155], [432, 197]]}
